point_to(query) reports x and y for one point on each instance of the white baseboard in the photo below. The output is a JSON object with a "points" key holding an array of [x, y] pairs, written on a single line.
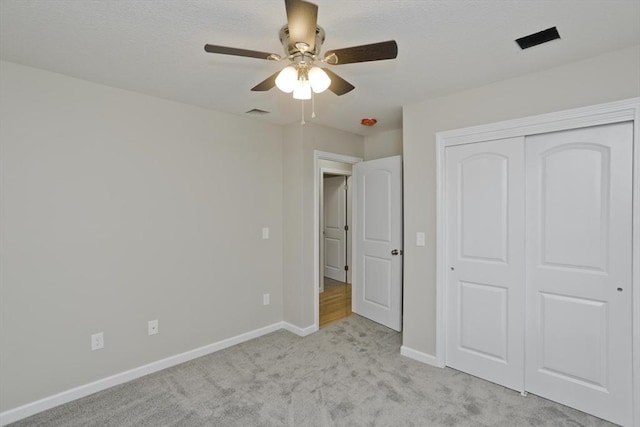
{"points": [[49, 402], [303, 332], [421, 357]]}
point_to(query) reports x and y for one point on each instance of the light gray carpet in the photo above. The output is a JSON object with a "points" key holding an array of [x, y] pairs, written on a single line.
{"points": [[350, 373]]}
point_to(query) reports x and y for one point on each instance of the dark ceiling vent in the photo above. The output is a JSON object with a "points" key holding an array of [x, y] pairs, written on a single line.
{"points": [[257, 112], [543, 36]]}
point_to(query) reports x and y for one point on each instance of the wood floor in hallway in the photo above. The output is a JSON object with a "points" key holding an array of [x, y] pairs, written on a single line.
{"points": [[335, 301]]}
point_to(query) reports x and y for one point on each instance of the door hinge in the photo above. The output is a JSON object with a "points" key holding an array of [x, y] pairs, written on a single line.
{"points": [[346, 268], [346, 228]]}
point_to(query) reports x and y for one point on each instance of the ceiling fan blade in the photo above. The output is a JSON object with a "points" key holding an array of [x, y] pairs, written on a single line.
{"points": [[338, 85], [211, 48], [364, 53], [302, 19], [266, 84]]}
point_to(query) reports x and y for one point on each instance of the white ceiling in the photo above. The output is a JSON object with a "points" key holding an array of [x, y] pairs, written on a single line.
{"points": [[156, 47]]}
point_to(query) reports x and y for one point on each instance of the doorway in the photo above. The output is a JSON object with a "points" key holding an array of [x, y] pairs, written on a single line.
{"points": [[376, 244], [334, 302]]}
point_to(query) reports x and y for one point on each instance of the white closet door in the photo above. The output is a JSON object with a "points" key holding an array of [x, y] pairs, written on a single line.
{"points": [[485, 278], [579, 269]]}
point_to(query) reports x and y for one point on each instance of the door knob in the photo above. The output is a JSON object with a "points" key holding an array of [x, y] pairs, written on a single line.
{"points": [[394, 252]]}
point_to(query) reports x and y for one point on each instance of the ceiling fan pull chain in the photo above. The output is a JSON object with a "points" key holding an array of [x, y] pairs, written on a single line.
{"points": [[302, 122], [313, 105]]}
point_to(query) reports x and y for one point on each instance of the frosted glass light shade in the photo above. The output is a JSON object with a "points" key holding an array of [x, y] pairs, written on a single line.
{"points": [[302, 90], [287, 78], [320, 81]]}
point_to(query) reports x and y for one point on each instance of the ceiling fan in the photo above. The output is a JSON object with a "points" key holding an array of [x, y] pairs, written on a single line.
{"points": [[302, 40]]}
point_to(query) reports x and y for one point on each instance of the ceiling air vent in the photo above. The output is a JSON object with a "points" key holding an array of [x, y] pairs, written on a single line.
{"points": [[257, 112], [538, 38]]}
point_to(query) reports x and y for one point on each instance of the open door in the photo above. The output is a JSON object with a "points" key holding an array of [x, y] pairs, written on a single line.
{"points": [[377, 261]]}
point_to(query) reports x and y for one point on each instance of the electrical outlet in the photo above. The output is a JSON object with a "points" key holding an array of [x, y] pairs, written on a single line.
{"points": [[265, 299], [153, 327], [265, 233], [420, 238], [97, 341]]}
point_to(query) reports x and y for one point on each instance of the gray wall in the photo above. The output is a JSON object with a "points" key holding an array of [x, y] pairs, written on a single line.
{"points": [[118, 208], [383, 144], [609, 77]]}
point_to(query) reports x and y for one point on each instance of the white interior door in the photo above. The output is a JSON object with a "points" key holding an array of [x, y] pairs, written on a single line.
{"points": [[485, 277], [579, 308], [334, 233], [377, 261]]}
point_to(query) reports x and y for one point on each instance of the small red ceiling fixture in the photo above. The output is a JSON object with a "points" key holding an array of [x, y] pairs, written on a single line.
{"points": [[368, 121]]}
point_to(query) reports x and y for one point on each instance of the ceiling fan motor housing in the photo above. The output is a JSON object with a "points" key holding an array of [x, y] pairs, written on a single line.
{"points": [[293, 49]]}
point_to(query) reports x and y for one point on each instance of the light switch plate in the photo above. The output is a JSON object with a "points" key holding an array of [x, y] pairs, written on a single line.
{"points": [[265, 233], [420, 238]]}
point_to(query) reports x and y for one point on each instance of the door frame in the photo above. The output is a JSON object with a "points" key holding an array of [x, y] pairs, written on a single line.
{"points": [[613, 112], [317, 176]]}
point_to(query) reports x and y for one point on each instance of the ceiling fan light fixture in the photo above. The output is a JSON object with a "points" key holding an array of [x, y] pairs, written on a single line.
{"points": [[287, 79], [302, 90], [319, 80], [302, 39]]}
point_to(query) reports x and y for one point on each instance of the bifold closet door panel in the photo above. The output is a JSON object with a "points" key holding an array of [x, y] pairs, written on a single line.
{"points": [[579, 305], [485, 275]]}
